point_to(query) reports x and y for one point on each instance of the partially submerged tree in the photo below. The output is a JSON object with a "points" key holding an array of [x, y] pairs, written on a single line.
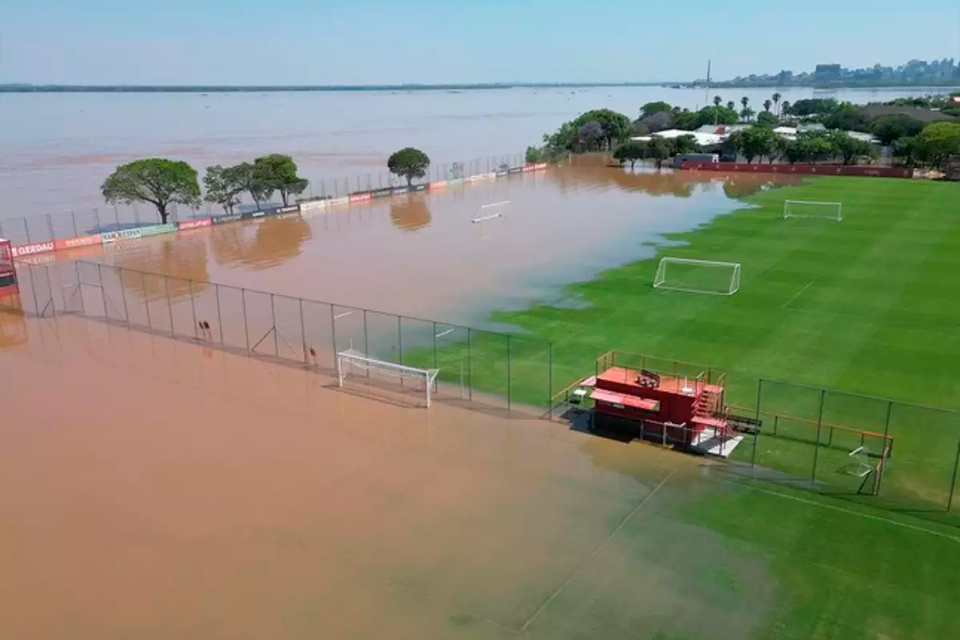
{"points": [[251, 181], [223, 186], [159, 181], [658, 149], [684, 144], [409, 163], [589, 135], [278, 172], [631, 152]]}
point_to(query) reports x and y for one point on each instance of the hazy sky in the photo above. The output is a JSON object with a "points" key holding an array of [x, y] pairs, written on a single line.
{"points": [[374, 41]]}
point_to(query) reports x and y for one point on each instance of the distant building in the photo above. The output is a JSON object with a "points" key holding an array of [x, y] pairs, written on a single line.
{"points": [[826, 73]]}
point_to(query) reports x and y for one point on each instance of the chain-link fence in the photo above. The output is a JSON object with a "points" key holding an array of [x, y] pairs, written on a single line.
{"points": [[495, 369], [118, 218]]}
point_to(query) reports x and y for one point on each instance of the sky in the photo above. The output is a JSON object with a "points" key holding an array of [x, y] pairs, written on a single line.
{"points": [[379, 42]]}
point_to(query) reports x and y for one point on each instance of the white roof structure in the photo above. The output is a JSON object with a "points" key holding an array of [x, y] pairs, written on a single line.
{"points": [[703, 139]]}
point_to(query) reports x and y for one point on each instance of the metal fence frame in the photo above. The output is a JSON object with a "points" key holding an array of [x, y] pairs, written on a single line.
{"points": [[286, 328]]}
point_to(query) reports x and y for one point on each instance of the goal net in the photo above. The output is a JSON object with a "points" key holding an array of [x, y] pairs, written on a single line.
{"points": [[351, 361], [698, 276], [812, 209]]}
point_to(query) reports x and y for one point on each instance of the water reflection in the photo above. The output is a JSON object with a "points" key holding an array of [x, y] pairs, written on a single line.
{"points": [[13, 326], [183, 258], [599, 172], [410, 213], [261, 244]]}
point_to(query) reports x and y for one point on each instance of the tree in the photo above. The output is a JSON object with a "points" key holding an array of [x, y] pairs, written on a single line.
{"points": [[938, 141], [534, 155], [159, 181], [811, 106], [906, 148], [809, 147], [753, 142], [848, 148], [251, 181], [766, 118], [717, 101], [630, 152], [686, 119], [590, 134], [684, 144], [786, 107], [746, 113], [776, 100], [410, 163], [223, 186], [893, 127], [744, 101], [278, 172], [658, 150], [658, 121], [616, 126], [731, 105], [767, 104], [847, 118], [654, 107], [716, 115]]}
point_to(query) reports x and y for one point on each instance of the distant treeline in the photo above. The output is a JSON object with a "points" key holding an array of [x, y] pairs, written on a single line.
{"points": [[65, 88]]}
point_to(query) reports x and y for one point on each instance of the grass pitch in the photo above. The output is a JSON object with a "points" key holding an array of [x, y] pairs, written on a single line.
{"points": [[869, 305]]}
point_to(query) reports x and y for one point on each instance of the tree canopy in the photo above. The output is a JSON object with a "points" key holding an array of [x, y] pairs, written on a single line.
{"points": [[616, 127], [630, 152], [847, 117], [278, 172], [847, 148], [159, 181], [223, 186], [659, 150], [810, 106], [409, 163], [753, 142], [890, 128], [767, 118], [938, 141], [655, 107]]}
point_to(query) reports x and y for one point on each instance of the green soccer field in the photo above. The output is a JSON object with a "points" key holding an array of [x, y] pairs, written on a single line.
{"points": [[869, 305]]}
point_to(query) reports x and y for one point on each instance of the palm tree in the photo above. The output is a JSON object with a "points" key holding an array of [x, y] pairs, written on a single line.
{"points": [[717, 100], [731, 105], [716, 109], [776, 100], [744, 101], [746, 113], [786, 107], [767, 104]]}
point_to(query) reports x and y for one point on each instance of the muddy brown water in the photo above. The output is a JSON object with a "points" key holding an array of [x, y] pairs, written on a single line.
{"points": [[154, 488], [421, 255]]}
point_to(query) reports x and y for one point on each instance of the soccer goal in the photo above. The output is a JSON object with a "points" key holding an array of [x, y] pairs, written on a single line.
{"points": [[491, 211], [352, 360], [813, 209], [698, 276]]}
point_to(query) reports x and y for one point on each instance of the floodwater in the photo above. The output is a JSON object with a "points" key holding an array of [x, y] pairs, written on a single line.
{"points": [[157, 489], [422, 255], [57, 148]]}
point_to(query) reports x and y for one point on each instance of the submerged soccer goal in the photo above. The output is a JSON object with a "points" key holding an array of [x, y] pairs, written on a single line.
{"points": [[813, 209], [698, 276], [352, 360]]}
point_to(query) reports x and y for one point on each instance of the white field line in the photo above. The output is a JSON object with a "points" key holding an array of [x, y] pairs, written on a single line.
{"points": [[589, 558], [841, 509], [797, 294]]}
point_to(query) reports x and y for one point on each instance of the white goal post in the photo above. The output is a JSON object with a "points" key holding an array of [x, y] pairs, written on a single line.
{"points": [[491, 211], [813, 209], [352, 359], [698, 276]]}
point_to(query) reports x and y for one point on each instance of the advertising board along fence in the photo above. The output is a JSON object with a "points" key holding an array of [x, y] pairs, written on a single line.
{"points": [[805, 169]]}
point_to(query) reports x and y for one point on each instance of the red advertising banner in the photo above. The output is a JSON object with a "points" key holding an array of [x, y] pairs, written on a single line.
{"points": [[79, 241], [199, 223], [529, 167], [361, 197], [32, 248], [804, 169]]}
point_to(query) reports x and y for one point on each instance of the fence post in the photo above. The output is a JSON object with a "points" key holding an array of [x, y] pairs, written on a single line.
{"points": [[53, 301], [146, 299], [166, 287], [103, 292], [33, 288], [123, 295], [216, 290], [434, 344], [469, 368], [400, 341], [96, 215], [366, 339], [550, 378], [273, 318], [50, 227], [508, 372], [759, 396], [303, 334], [26, 229], [243, 307], [816, 451], [193, 310], [333, 335], [953, 480]]}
